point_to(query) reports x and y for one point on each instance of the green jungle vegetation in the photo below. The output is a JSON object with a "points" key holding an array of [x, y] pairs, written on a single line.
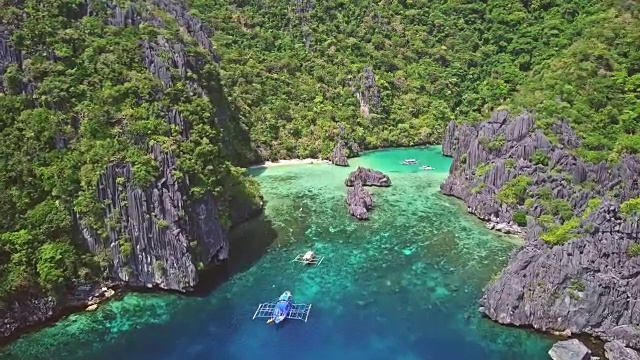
{"points": [[290, 71]]}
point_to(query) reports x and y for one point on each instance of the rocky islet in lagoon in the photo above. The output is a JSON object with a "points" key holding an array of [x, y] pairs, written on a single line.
{"points": [[401, 286]]}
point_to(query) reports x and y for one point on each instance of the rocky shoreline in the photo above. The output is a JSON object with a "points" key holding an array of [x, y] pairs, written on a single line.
{"points": [[154, 236], [576, 272], [30, 310]]}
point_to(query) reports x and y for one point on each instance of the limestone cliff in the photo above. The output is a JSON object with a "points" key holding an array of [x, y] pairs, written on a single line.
{"points": [[154, 235], [365, 89], [575, 271]]}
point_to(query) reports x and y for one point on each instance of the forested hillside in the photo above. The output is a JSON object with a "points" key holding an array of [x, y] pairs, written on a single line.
{"points": [[112, 161], [294, 68], [88, 100]]}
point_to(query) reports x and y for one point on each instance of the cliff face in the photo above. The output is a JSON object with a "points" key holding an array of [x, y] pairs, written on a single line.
{"points": [[575, 271], [365, 89], [155, 235], [150, 239], [154, 225]]}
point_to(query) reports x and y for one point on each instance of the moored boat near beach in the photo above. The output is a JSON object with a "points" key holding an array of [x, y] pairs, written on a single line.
{"points": [[410, 162]]}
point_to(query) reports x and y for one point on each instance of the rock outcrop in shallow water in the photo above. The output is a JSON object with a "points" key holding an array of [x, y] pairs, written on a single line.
{"points": [[368, 177], [575, 271], [359, 200], [31, 309], [340, 154]]}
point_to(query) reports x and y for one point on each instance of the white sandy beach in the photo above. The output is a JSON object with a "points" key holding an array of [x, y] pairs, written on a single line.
{"points": [[290, 162]]}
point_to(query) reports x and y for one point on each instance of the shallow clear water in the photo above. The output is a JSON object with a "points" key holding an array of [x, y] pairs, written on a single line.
{"points": [[402, 286]]}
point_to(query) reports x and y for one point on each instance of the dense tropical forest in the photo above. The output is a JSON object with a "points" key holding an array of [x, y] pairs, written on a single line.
{"points": [[391, 73], [292, 68]]}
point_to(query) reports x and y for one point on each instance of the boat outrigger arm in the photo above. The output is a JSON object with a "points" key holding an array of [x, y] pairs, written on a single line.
{"points": [[297, 312]]}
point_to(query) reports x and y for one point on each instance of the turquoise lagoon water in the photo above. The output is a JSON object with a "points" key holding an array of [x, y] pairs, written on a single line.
{"points": [[402, 286]]}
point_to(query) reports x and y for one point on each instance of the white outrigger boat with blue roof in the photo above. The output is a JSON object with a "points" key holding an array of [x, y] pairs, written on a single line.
{"points": [[283, 308]]}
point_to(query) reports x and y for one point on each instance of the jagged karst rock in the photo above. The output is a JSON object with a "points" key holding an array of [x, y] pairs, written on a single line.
{"points": [[359, 201], [589, 284], [9, 56], [570, 350], [26, 312], [566, 135], [355, 148], [152, 245], [304, 9], [449, 141], [615, 350], [32, 309], [122, 18], [368, 177], [154, 236], [365, 89], [340, 154], [156, 225]]}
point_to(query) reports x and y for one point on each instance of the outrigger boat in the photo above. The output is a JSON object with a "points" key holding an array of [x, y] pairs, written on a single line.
{"points": [[309, 258], [409, 162], [282, 308]]}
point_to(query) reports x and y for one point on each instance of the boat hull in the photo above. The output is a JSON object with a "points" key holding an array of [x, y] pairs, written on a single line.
{"points": [[283, 307]]}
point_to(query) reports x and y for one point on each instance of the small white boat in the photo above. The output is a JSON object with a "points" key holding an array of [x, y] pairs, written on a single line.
{"points": [[308, 257], [426, 167], [409, 162]]}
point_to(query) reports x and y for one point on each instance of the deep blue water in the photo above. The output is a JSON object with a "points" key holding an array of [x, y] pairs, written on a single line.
{"points": [[401, 286]]}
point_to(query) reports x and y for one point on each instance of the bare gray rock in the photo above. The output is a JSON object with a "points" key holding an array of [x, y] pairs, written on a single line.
{"points": [[155, 226], [449, 142], [154, 236], [615, 350], [587, 284], [365, 89], [339, 155], [359, 201], [368, 177], [31, 309], [570, 350], [341, 152]]}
